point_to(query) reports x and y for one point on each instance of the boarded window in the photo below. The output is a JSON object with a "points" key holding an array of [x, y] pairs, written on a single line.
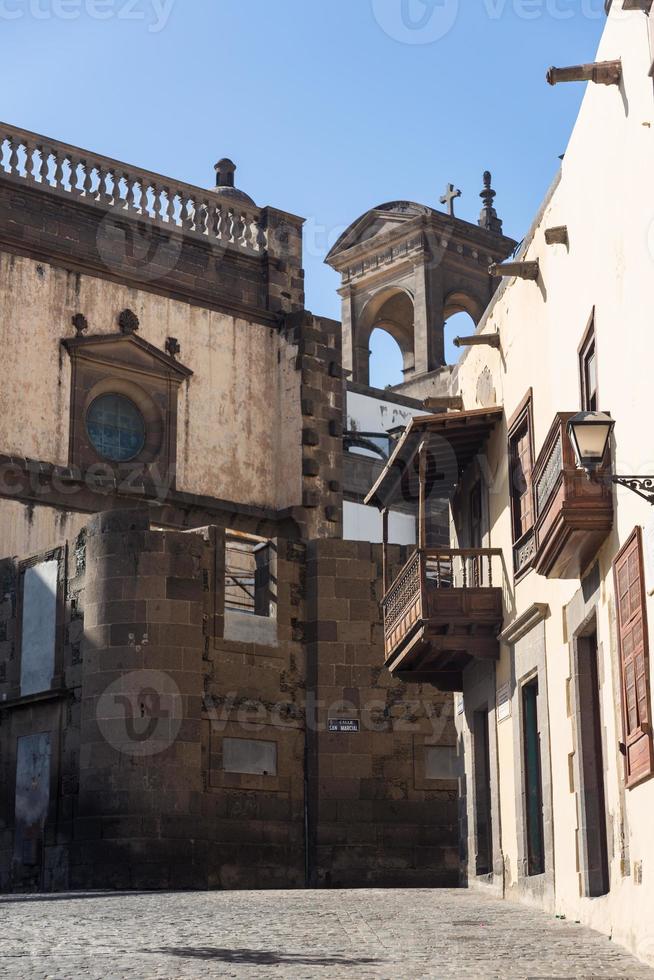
{"points": [[32, 797], [250, 757], [250, 581], [38, 626], [441, 762], [634, 660]]}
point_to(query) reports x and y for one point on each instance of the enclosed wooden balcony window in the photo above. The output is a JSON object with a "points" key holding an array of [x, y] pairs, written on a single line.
{"points": [[444, 608], [574, 515]]}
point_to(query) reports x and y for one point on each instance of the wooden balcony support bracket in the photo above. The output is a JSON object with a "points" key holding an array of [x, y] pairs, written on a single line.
{"points": [[441, 403], [385, 548], [557, 236], [517, 270], [422, 514], [479, 340], [601, 73]]}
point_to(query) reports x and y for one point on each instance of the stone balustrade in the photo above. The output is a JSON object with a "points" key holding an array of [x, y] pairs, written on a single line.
{"points": [[84, 176]]}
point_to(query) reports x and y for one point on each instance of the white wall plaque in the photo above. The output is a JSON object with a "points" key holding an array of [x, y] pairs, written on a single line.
{"points": [[503, 703]]}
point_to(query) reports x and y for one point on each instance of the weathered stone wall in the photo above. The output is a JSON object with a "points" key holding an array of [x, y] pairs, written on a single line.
{"points": [[377, 816], [34, 856], [254, 693], [183, 758], [319, 354], [140, 762], [229, 440]]}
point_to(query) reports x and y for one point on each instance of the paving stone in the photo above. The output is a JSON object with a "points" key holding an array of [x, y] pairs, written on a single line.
{"points": [[368, 935]]}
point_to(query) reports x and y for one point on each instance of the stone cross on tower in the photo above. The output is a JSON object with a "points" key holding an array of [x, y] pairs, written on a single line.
{"points": [[449, 197]]}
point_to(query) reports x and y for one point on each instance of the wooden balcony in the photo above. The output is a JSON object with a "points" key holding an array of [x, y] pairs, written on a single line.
{"points": [[574, 515], [443, 611]]}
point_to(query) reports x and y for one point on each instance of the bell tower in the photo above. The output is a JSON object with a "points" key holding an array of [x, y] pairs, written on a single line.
{"points": [[406, 268]]}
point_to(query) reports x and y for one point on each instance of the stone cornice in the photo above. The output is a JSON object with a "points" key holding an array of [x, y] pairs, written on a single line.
{"points": [[447, 233], [30, 481], [202, 274], [535, 614]]}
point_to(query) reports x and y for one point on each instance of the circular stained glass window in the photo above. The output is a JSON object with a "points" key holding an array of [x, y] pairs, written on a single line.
{"points": [[116, 428]]}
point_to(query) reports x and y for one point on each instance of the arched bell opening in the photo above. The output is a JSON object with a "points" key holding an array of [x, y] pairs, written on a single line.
{"points": [[387, 317], [462, 314], [386, 363]]}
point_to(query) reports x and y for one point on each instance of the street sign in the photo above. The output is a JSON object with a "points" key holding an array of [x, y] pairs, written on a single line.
{"points": [[343, 725]]}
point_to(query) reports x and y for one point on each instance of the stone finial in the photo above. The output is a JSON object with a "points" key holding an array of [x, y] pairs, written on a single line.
{"points": [[80, 323], [488, 218], [128, 322], [173, 347], [225, 170]]}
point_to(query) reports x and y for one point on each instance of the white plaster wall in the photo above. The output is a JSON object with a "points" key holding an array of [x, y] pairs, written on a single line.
{"points": [[368, 414], [361, 523], [605, 198]]}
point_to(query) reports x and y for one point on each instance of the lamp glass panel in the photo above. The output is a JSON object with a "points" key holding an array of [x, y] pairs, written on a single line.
{"points": [[591, 439]]}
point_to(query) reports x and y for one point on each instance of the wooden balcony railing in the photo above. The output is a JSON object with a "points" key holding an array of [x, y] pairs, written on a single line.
{"points": [[77, 173], [403, 602], [440, 583]]}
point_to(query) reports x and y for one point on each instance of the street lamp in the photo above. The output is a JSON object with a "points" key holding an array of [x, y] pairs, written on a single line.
{"points": [[589, 433]]}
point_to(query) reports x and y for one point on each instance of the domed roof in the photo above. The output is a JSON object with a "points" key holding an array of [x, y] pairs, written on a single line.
{"points": [[225, 170]]}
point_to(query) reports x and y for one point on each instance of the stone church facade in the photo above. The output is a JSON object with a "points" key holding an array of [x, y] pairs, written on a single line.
{"points": [[192, 682]]}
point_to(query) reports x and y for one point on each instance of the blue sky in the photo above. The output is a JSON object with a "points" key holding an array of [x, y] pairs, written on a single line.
{"points": [[328, 107]]}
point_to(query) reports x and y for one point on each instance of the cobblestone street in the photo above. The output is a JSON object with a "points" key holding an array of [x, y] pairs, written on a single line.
{"points": [[330, 934]]}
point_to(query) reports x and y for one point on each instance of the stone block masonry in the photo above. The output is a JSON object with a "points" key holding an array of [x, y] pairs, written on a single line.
{"points": [[377, 818], [180, 757]]}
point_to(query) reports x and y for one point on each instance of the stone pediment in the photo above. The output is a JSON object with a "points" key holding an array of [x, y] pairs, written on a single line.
{"points": [[378, 223], [129, 351]]}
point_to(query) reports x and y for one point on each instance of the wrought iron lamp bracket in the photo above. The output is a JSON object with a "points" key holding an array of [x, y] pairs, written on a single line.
{"points": [[642, 485]]}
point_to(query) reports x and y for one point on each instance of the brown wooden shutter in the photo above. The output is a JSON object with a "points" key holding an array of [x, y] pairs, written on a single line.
{"points": [[521, 471], [634, 660]]}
